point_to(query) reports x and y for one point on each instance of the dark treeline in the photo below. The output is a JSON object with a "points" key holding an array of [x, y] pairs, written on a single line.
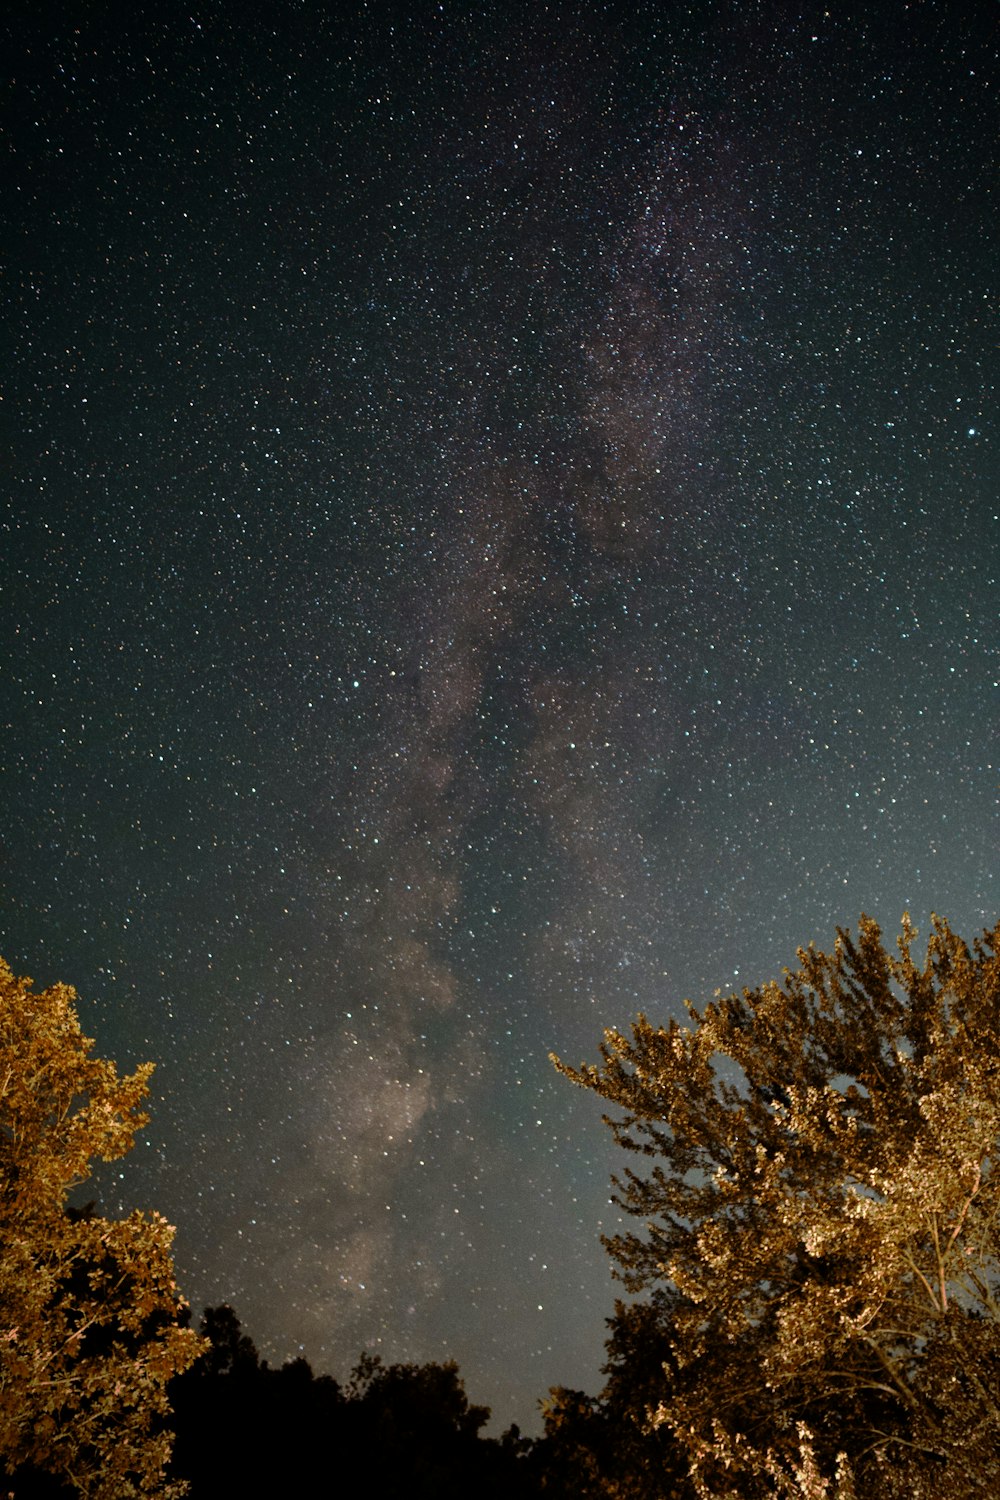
{"points": [[245, 1429]]}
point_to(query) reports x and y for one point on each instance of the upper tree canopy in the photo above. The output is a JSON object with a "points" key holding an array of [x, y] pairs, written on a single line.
{"points": [[822, 1201], [89, 1308]]}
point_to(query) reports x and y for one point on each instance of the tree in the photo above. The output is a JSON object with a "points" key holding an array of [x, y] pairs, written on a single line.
{"points": [[420, 1434], [822, 1208], [605, 1447], [246, 1430], [89, 1309]]}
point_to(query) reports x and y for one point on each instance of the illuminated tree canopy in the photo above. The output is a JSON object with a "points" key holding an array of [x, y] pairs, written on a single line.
{"points": [[821, 1198], [89, 1309]]}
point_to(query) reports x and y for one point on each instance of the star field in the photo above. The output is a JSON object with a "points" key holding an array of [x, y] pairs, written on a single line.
{"points": [[500, 533]]}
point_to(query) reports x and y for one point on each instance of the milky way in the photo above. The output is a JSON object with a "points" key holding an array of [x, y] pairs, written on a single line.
{"points": [[500, 535]]}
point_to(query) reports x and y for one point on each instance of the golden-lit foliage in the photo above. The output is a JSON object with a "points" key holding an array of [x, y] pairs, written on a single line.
{"points": [[89, 1308], [822, 1193]]}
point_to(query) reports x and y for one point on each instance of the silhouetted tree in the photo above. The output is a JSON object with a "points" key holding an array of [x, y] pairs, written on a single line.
{"points": [[421, 1432], [607, 1446], [571, 1459], [246, 1430], [229, 1351]]}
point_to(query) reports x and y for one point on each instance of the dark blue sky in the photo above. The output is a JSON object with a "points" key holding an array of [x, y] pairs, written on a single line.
{"points": [[500, 533]]}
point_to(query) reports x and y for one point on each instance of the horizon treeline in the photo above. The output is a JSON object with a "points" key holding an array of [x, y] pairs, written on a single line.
{"points": [[246, 1429], [816, 1237]]}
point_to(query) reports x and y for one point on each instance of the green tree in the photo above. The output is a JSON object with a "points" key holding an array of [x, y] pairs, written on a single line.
{"points": [[822, 1204], [89, 1309]]}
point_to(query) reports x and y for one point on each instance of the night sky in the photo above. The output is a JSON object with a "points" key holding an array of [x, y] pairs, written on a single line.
{"points": [[499, 533]]}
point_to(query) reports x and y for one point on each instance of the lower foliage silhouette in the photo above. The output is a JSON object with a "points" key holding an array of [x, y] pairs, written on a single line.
{"points": [[246, 1430]]}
